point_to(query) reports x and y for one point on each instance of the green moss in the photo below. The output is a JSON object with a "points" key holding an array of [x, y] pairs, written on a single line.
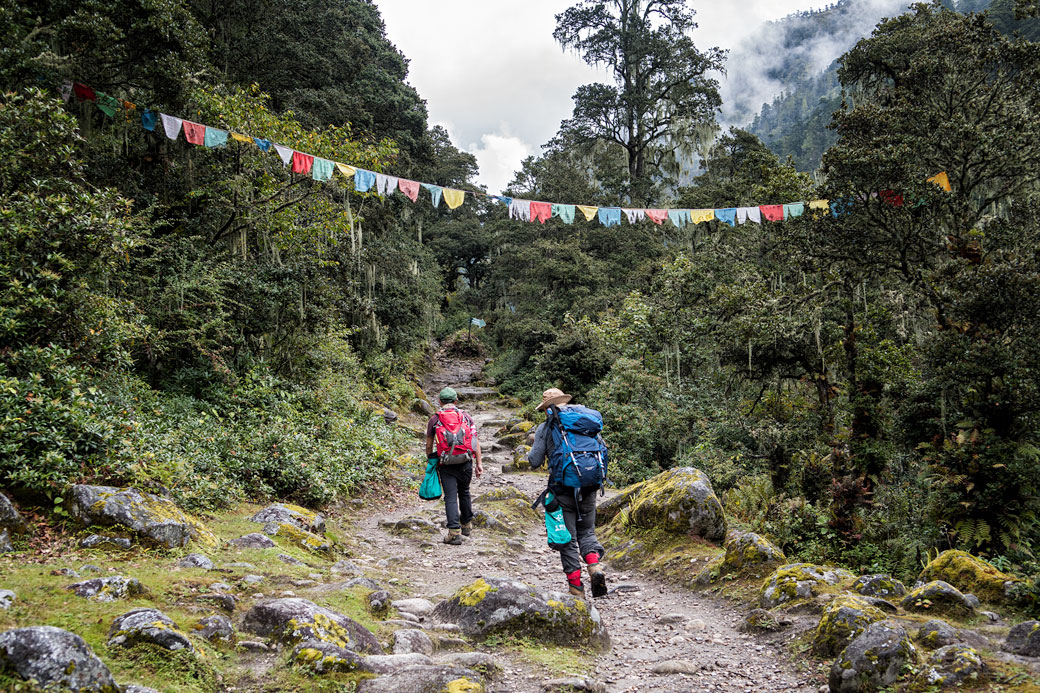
{"points": [[969, 574], [473, 594], [844, 618], [303, 538], [463, 685]]}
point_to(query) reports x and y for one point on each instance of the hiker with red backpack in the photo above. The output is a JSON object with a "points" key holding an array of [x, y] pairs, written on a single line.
{"points": [[571, 443], [451, 440]]}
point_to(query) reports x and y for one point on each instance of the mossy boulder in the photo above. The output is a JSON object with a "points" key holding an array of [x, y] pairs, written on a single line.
{"points": [[874, 659], [279, 513], [936, 634], [293, 620], [430, 678], [679, 501], [1024, 639], [796, 581], [108, 589], [510, 607], [883, 586], [55, 659], [950, 666], [325, 657], [938, 597], [842, 620], [299, 537], [147, 626], [152, 518], [608, 509], [969, 574], [749, 554], [762, 621]]}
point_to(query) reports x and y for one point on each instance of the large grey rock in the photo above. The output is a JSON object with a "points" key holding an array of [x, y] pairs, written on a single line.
{"points": [[1024, 639], [107, 589], [950, 665], [7, 598], [54, 658], [196, 560], [216, 628], [253, 540], [279, 513], [799, 581], [147, 626], [423, 679], [411, 641], [502, 605], [292, 620], [883, 586], [936, 634], [750, 555], [938, 597], [153, 518], [419, 607], [387, 664], [10, 518], [680, 501], [876, 658]]}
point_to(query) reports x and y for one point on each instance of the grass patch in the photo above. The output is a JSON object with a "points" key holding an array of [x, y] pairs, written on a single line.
{"points": [[554, 660]]}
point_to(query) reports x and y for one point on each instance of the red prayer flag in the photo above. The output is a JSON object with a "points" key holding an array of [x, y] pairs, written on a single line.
{"points": [[409, 187], [301, 163], [656, 215], [891, 197], [83, 92], [773, 212], [541, 211], [194, 133]]}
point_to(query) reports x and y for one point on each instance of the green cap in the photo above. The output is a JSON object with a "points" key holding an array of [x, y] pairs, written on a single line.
{"points": [[448, 395]]}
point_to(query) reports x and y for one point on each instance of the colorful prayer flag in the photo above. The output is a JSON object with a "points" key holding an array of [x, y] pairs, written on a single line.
{"points": [[564, 212], [772, 212], [942, 180], [589, 211], [795, 209], [453, 198], [194, 132], [284, 153], [541, 211], [410, 188], [656, 215], [322, 169], [746, 214], [149, 119], [610, 216], [435, 193], [215, 137], [363, 180], [171, 125], [727, 216]]}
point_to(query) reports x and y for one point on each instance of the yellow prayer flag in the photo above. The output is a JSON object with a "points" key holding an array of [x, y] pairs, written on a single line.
{"points": [[942, 180], [589, 212], [241, 138], [699, 215], [453, 198], [347, 171], [818, 206]]}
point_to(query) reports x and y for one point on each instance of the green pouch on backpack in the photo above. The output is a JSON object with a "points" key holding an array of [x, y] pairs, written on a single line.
{"points": [[556, 531], [430, 489]]}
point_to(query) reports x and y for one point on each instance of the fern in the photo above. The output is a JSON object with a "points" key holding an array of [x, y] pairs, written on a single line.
{"points": [[973, 532]]}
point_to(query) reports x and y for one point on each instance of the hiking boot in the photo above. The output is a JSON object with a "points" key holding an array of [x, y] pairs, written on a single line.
{"points": [[576, 590], [467, 529], [454, 537], [598, 580]]}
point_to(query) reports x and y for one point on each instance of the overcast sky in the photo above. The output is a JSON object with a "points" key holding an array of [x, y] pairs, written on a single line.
{"points": [[492, 74]]}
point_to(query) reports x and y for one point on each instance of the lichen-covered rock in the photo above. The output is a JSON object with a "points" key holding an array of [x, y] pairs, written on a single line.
{"points": [[55, 659], [610, 508], [502, 605], [253, 540], [796, 581], [1024, 639], [883, 586], [936, 634], [292, 620], [107, 589], [843, 619], [147, 626], [216, 629], [325, 657], [762, 621], [388, 664], [379, 602], [940, 598], [195, 560], [286, 513], [426, 679], [10, 518], [951, 665], [96, 540], [875, 658], [679, 501], [411, 640], [7, 598], [751, 555], [153, 518], [299, 537], [969, 574]]}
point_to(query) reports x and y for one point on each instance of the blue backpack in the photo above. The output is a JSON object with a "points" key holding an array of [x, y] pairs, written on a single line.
{"points": [[579, 457]]}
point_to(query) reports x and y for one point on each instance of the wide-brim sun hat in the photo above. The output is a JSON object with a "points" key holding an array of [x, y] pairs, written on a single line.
{"points": [[553, 396]]}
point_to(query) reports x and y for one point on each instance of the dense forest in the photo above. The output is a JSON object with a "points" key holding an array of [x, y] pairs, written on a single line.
{"points": [[859, 386]]}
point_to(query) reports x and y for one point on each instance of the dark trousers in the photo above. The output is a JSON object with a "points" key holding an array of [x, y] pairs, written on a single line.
{"points": [[455, 478], [583, 532]]}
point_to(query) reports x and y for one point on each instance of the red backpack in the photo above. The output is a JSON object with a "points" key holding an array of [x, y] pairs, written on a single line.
{"points": [[454, 436]]}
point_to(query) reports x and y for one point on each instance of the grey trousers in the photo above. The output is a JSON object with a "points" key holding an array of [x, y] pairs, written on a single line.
{"points": [[583, 533]]}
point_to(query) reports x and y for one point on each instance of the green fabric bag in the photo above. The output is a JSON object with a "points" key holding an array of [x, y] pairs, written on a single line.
{"points": [[430, 489], [556, 531]]}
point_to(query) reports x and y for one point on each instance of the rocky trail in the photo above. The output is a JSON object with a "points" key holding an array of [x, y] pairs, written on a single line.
{"points": [[663, 638]]}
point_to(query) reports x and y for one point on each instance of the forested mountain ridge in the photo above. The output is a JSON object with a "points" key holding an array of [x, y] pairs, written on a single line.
{"points": [[795, 123]]}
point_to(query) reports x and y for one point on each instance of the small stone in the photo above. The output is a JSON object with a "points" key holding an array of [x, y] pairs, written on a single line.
{"points": [[240, 565], [253, 646], [379, 602], [7, 598], [253, 540], [220, 586], [367, 583], [286, 558], [303, 583], [216, 629], [89, 568], [387, 664], [66, 572], [225, 602], [676, 666], [195, 560], [252, 579], [107, 589], [96, 540], [669, 619], [5, 541], [412, 641], [345, 568], [574, 683]]}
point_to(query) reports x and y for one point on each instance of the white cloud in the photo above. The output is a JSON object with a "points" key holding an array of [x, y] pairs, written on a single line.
{"points": [[499, 155]]}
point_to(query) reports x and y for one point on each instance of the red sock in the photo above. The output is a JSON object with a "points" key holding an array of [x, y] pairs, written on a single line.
{"points": [[574, 578], [592, 558]]}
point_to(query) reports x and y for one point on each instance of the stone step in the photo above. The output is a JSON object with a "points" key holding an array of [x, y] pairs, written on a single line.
{"points": [[476, 394]]}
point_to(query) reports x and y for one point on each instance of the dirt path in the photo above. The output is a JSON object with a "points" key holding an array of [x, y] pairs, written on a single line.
{"points": [[650, 622]]}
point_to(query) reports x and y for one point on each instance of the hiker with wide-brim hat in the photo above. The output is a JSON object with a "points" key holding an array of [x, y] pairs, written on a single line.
{"points": [[451, 440], [578, 504]]}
